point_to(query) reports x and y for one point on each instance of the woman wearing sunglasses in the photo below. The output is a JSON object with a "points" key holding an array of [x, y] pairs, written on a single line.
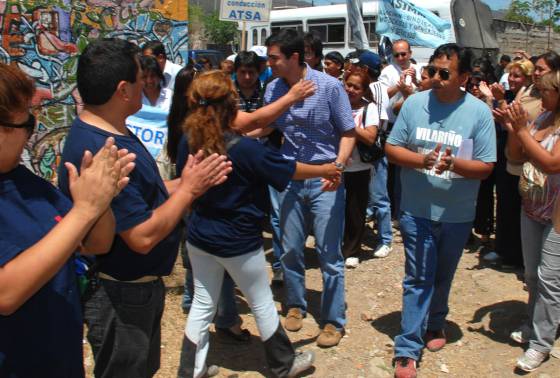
{"points": [[538, 145], [40, 229]]}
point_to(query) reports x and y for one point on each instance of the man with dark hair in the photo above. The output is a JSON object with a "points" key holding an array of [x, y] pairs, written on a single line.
{"points": [[502, 64], [124, 313], [445, 142], [169, 69], [316, 131], [313, 52], [246, 67]]}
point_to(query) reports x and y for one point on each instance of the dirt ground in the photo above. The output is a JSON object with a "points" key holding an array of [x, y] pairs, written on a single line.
{"points": [[486, 303]]}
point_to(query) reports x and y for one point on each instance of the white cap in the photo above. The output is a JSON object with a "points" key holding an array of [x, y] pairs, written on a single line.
{"points": [[231, 57], [259, 50]]}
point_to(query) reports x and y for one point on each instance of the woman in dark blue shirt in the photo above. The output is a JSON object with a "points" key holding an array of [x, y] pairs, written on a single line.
{"points": [[40, 229], [225, 233]]}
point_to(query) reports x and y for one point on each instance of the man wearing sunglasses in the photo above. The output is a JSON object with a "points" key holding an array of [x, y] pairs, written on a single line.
{"points": [[445, 142]]}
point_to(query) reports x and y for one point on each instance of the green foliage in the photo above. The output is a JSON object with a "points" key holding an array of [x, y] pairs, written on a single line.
{"points": [[219, 32], [519, 11]]}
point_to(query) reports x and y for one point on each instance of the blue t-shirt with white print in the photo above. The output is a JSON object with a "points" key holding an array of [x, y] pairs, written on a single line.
{"points": [[467, 127]]}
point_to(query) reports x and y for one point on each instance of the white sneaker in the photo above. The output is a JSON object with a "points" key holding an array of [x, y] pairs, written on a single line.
{"points": [[531, 360], [382, 251], [491, 257], [352, 262], [521, 335]]}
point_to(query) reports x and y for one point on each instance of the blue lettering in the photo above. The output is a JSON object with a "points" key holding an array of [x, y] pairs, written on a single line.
{"points": [[136, 130], [257, 16], [248, 15], [147, 131], [240, 13], [233, 15], [159, 137]]}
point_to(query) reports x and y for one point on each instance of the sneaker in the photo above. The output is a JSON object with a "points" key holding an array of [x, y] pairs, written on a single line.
{"points": [[352, 262], [277, 277], [294, 320], [405, 367], [212, 371], [531, 360], [435, 340], [302, 362], [491, 257], [521, 335], [329, 336], [382, 251]]}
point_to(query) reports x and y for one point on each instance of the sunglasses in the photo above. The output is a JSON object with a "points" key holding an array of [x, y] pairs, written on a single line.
{"points": [[29, 124], [401, 54], [443, 73]]}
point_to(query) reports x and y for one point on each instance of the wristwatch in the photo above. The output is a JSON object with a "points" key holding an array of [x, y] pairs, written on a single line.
{"points": [[341, 167]]}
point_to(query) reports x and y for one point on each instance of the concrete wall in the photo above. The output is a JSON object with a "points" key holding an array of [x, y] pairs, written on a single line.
{"points": [[534, 39], [44, 39]]}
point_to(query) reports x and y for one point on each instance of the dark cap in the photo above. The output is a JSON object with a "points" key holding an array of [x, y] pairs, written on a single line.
{"points": [[369, 59]]}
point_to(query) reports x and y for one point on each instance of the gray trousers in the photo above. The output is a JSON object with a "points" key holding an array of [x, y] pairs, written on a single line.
{"points": [[541, 255]]}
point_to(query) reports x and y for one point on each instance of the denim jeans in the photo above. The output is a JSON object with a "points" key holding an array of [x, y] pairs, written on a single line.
{"points": [[379, 204], [124, 328], [303, 205], [277, 251], [227, 315], [248, 271], [541, 253], [432, 252]]}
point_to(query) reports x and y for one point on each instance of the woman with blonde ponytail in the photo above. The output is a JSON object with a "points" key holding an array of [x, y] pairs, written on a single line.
{"points": [[538, 146], [225, 232]]}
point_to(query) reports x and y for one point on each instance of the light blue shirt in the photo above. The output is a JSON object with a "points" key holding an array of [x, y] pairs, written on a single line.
{"points": [[467, 127], [312, 128]]}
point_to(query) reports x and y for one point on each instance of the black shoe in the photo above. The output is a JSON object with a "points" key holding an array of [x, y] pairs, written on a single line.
{"points": [[244, 337], [278, 277]]}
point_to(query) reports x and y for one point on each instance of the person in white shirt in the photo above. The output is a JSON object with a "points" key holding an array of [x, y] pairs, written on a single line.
{"points": [[169, 69], [154, 92]]}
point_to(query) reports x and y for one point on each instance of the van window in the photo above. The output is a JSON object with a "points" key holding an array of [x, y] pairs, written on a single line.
{"points": [[331, 31], [275, 27], [372, 36], [263, 36]]}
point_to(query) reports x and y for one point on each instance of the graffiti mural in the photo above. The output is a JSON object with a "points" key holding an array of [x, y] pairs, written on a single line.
{"points": [[45, 37]]}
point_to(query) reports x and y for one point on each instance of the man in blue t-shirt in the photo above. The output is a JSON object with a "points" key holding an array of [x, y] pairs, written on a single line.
{"points": [[318, 130], [123, 315], [444, 140]]}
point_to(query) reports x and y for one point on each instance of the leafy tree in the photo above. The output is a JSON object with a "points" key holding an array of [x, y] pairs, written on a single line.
{"points": [[219, 32], [519, 11]]}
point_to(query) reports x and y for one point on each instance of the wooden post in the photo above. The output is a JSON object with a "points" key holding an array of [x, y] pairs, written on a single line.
{"points": [[244, 36]]}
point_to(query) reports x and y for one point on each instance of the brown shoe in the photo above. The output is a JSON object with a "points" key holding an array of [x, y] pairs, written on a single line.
{"points": [[329, 336], [435, 340], [294, 320], [405, 367]]}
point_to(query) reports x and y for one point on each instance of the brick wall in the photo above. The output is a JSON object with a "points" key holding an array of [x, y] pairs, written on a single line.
{"points": [[514, 36]]}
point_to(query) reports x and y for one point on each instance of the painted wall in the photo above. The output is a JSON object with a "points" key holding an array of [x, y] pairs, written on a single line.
{"points": [[44, 38]]}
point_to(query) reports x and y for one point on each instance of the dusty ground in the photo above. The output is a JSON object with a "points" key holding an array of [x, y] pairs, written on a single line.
{"points": [[486, 304]]}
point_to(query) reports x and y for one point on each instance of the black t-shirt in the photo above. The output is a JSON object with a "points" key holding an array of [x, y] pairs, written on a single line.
{"points": [[133, 206], [227, 220], [43, 338]]}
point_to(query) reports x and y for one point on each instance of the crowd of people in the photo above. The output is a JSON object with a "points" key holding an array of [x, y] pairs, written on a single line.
{"points": [[312, 144]]}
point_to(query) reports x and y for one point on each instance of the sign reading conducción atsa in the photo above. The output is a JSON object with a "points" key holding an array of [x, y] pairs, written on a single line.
{"points": [[245, 10]]}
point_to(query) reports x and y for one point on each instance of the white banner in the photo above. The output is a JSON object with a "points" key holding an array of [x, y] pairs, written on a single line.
{"points": [[245, 10]]}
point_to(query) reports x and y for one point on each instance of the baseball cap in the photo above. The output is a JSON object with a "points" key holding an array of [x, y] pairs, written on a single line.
{"points": [[369, 59], [260, 51], [231, 57]]}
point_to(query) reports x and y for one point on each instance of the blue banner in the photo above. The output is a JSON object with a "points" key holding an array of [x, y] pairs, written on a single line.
{"points": [[400, 19], [150, 126]]}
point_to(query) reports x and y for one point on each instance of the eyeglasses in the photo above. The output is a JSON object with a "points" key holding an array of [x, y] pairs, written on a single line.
{"points": [[401, 54], [443, 72], [29, 124]]}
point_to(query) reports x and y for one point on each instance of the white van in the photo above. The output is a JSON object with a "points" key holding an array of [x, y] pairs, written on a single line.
{"points": [[330, 22]]}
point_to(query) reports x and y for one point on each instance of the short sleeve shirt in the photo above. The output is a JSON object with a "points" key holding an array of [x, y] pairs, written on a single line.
{"points": [[372, 120], [389, 77], [227, 220], [313, 127], [43, 338], [133, 206], [468, 128]]}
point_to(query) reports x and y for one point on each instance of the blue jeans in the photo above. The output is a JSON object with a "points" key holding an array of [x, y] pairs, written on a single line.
{"points": [[379, 203], [303, 205], [277, 251], [432, 250]]}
